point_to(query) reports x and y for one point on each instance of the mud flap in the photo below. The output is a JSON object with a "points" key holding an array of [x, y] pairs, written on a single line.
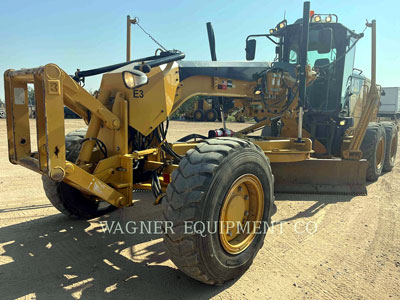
{"points": [[321, 176]]}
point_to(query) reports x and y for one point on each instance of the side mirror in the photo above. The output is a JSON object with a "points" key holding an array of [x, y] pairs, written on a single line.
{"points": [[250, 49], [211, 41], [325, 40]]}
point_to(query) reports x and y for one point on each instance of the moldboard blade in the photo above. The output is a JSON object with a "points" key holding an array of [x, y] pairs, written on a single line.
{"points": [[321, 176]]}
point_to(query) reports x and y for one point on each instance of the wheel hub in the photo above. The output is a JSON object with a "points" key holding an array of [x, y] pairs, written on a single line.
{"points": [[241, 213]]}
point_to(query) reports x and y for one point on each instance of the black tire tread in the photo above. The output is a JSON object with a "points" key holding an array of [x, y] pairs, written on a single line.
{"points": [[266, 131], [72, 140], [53, 189], [390, 129], [368, 147], [189, 182]]}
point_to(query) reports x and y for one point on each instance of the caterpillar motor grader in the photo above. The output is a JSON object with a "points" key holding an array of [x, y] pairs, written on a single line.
{"points": [[208, 110], [217, 181]]}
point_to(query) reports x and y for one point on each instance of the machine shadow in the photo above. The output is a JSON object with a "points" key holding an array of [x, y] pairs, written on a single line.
{"points": [[314, 197], [320, 202], [56, 257]]}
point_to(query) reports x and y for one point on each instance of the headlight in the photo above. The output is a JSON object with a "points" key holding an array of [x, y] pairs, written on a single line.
{"points": [[328, 19], [134, 79], [257, 91], [317, 18]]}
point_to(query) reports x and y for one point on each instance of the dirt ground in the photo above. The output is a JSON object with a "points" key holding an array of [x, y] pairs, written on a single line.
{"points": [[351, 249]]}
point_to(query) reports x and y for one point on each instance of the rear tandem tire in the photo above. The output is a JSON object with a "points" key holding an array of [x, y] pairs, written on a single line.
{"points": [[198, 115], [211, 115], [373, 149], [199, 191], [266, 131], [65, 198], [391, 145]]}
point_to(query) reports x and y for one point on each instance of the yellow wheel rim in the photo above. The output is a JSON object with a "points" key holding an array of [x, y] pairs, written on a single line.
{"points": [[197, 115], [243, 208], [380, 153]]}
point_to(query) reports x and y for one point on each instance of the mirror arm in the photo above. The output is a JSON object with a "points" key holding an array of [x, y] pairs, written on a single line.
{"points": [[264, 35]]}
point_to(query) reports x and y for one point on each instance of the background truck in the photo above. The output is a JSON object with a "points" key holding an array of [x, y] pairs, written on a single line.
{"points": [[390, 103]]}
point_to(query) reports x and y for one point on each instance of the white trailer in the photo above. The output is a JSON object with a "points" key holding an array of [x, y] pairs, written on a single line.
{"points": [[390, 103]]}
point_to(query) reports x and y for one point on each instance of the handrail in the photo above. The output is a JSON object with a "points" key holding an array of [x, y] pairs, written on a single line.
{"points": [[147, 63]]}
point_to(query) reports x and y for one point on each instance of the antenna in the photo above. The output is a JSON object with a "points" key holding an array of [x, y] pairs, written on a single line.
{"points": [[284, 14]]}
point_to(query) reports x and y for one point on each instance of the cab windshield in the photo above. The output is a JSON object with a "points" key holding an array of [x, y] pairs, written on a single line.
{"points": [[325, 94]]}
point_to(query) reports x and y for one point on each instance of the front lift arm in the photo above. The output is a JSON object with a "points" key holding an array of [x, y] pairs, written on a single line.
{"points": [[53, 89]]}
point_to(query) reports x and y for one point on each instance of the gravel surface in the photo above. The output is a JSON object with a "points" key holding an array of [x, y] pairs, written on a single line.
{"points": [[351, 249]]}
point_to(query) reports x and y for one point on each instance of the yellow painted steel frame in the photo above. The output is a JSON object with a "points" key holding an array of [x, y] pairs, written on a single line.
{"points": [[111, 180], [111, 113], [277, 149]]}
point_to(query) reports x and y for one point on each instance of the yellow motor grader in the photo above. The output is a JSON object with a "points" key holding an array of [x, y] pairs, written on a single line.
{"points": [[217, 180], [204, 110]]}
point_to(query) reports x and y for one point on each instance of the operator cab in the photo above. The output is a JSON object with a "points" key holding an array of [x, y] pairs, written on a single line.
{"points": [[331, 54]]}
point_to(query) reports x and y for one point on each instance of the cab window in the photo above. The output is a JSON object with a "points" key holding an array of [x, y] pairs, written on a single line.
{"points": [[293, 59], [315, 57]]}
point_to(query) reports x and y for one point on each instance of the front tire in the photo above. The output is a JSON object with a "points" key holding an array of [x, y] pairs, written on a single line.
{"points": [[210, 186], [65, 198], [373, 149]]}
